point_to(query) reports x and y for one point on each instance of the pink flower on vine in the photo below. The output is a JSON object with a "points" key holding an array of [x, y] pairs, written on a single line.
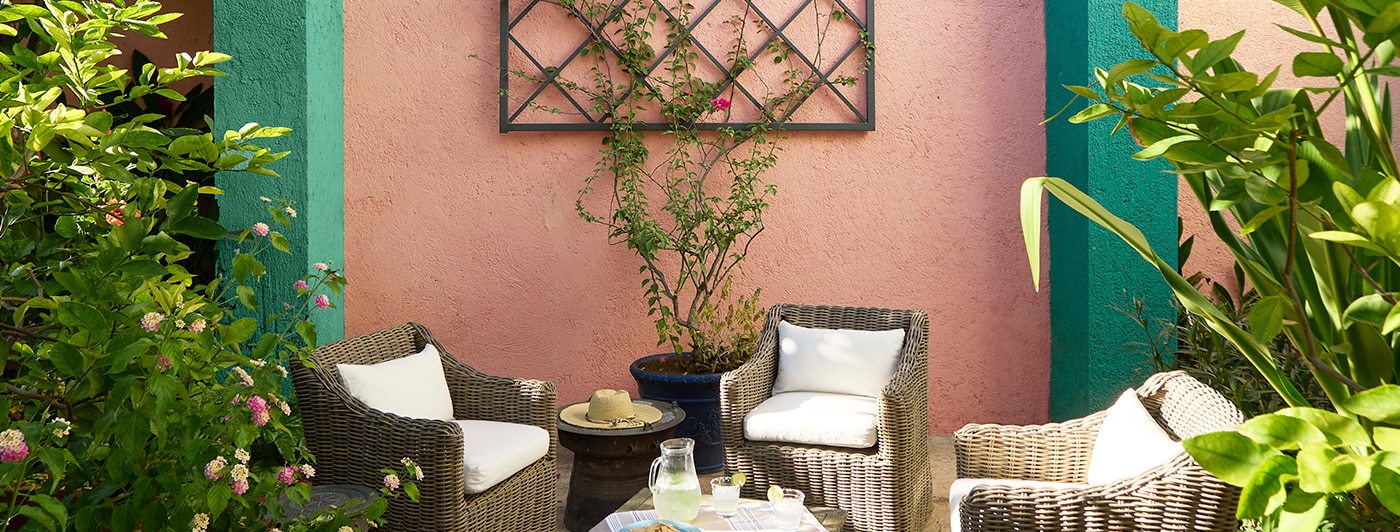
{"points": [[151, 321], [162, 363], [300, 285], [261, 229], [322, 301], [720, 104]]}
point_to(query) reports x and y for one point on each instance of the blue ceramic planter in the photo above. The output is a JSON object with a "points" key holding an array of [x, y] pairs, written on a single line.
{"points": [[698, 395]]}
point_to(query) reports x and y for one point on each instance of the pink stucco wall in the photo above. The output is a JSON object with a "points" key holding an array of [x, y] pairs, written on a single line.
{"points": [[473, 233]]}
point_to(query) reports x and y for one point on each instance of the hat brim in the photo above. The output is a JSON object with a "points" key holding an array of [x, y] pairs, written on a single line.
{"points": [[577, 415]]}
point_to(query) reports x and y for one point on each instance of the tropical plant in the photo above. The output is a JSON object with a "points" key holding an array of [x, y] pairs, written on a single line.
{"points": [[689, 204], [134, 396], [1319, 239]]}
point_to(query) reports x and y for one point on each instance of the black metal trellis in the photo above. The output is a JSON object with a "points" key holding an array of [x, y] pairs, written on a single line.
{"points": [[512, 112]]}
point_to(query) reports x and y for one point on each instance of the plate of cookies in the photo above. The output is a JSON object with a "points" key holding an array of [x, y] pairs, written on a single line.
{"points": [[665, 525]]}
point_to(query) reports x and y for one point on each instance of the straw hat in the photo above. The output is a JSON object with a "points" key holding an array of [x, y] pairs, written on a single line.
{"points": [[609, 409]]}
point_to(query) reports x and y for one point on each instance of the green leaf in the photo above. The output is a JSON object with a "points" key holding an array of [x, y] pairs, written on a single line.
{"points": [[238, 331], [1386, 438], [1092, 112], [217, 498], [280, 242], [1311, 37], [1281, 432], [1266, 317], [1264, 191], [181, 204], [307, 331], [247, 297], [1386, 21], [36, 515], [1161, 146], [1316, 64], [143, 268], [1183, 42], [1302, 512], [1350, 239], [1385, 480], [245, 265], [1264, 493], [198, 227], [1321, 469], [1392, 321], [1086, 92], [67, 360], [1214, 53], [1230, 82], [1258, 220], [1339, 430], [1381, 404], [89, 322], [1229, 455], [1129, 68]]}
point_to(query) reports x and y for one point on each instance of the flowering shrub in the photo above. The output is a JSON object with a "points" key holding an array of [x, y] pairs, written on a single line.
{"points": [[134, 396]]}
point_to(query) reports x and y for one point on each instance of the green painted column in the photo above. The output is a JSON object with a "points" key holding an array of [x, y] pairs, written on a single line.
{"points": [[1091, 270], [287, 70]]}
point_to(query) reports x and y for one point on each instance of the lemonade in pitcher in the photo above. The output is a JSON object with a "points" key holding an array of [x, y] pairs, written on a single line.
{"points": [[677, 502], [675, 489]]}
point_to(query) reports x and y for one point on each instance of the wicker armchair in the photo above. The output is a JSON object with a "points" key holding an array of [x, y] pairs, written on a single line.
{"points": [[886, 487], [1177, 495], [352, 441]]}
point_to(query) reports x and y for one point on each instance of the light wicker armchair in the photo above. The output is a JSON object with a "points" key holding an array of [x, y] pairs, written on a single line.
{"points": [[352, 442], [884, 488], [1177, 495]]}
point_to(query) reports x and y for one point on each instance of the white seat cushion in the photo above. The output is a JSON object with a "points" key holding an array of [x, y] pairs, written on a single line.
{"points": [[412, 386], [493, 451], [963, 486], [1129, 443], [836, 360], [815, 419]]}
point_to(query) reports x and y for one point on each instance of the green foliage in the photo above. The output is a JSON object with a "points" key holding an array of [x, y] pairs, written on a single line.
{"points": [[133, 395], [691, 203], [1319, 237]]}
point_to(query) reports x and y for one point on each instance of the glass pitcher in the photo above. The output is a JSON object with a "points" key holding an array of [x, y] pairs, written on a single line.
{"points": [[675, 489]]}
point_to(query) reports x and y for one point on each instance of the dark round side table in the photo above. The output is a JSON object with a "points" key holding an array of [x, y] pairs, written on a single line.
{"points": [[611, 465]]}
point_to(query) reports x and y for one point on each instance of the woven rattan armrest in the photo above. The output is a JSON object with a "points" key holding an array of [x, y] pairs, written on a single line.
{"points": [[1053, 452]]}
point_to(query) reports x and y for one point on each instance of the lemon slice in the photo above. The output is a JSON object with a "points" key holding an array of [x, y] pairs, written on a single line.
{"points": [[775, 493], [738, 478]]}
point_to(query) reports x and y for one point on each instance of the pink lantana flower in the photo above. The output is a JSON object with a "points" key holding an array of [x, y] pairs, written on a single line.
{"points": [[12, 446], [320, 266], [391, 481], [151, 321], [259, 407], [215, 468], [720, 104], [198, 326], [322, 301], [261, 229], [300, 285], [288, 475]]}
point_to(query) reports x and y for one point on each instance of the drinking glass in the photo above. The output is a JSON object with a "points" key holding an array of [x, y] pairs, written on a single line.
{"points": [[726, 494], [788, 510]]}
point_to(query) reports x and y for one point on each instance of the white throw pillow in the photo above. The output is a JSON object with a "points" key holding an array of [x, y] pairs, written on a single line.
{"points": [[412, 386], [1129, 443], [963, 486], [816, 419], [836, 360], [493, 451]]}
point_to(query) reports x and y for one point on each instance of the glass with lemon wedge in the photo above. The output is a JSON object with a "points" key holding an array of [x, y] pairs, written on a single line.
{"points": [[787, 507]]}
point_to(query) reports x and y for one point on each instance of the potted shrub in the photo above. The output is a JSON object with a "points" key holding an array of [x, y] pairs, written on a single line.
{"points": [[690, 200], [1318, 239]]}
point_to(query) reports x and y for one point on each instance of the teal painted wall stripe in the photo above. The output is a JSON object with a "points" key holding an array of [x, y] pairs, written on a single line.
{"points": [[287, 70], [1091, 270]]}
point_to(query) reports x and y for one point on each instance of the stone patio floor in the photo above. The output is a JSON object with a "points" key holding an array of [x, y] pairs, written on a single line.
{"points": [[940, 456]]}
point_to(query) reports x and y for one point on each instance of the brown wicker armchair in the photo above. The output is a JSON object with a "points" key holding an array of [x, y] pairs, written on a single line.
{"points": [[352, 442], [886, 487], [1177, 495]]}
